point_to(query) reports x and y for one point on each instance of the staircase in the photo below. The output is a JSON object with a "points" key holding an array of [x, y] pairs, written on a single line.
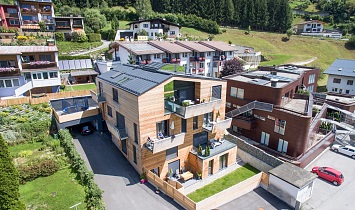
{"points": [[252, 105], [23, 89]]}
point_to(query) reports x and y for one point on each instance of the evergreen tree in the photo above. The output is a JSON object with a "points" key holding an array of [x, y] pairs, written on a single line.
{"points": [[9, 180], [219, 11], [210, 10], [114, 23], [144, 8], [228, 12], [263, 14]]}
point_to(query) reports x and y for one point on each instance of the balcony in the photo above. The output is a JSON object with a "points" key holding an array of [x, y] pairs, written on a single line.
{"points": [[30, 10], [246, 123], [39, 65], [195, 58], [198, 71], [48, 21], [172, 60], [63, 27], [121, 134], [193, 109], [98, 98], [159, 145], [219, 126], [9, 71], [77, 26], [29, 22], [13, 15], [219, 58]]}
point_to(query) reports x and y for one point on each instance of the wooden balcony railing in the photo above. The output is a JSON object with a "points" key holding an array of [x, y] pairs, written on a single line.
{"points": [[38, 65]]}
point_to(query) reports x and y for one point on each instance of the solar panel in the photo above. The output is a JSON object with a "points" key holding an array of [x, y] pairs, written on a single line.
{"points": [[88, 63], [61, 65], [71, 64], [77, 64], [66, 65]]}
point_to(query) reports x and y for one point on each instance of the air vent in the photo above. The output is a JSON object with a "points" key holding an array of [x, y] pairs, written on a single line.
{"points": [[340, 69]]}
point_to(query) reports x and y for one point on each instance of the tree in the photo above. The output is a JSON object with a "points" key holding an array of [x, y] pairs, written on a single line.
{"points": [[114, 23], [9, 180], [143, 8], [351, 41], [94, 20], [233, 66], [130, 59], [289, 33], [42, 26]]}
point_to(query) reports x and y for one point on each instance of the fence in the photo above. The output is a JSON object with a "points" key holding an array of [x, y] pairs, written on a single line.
{"points": [[46, 98]]}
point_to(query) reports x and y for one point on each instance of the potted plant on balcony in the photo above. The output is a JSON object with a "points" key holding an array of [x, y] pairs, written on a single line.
{"points": [[171, 173], [185, 103], [143, 177], [178, 60], [200, 58], [173, 60], [25, 9], [199, 149], [218, 115], [199, 175], [207, 152], [165, 60]]}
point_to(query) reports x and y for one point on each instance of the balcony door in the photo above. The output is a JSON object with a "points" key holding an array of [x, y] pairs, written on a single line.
{"points": [[223, 161], [200, 139], [120, 121], [163, 127], [207, 118]]}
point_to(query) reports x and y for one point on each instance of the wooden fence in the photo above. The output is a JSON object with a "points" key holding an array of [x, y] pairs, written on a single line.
{"points": [[46, 98], [171, 191]]}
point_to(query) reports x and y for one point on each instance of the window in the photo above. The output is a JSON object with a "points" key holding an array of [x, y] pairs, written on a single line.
{"points": [[237, 92], [347, 91], [209, 54], [228, 105], [2, 84], [109, 111], [45, 57], [216, 92], [156, 56], [15, 82], [233, 92], [13, 22], [5, 64], [208, 64], [172, 32], [171, 153], [334, 89], [195, 123], [45, 75], [75, 22], [231, 53], [202, 65], [335, 80], [53, 74], [135, 26], [280, 126], [310, 88], [100, 88], [12, 10], [350, 82], [151, 34], [28, 58], [134, 154], [8, 83], [114, 94], [145, 25], [135, 133], [124, 146], [183, 125], [282, 147], [37, 76], [184, 55], [311, 78], [264, 138]]}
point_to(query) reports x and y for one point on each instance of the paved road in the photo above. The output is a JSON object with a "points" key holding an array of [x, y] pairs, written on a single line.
{"points": [[104, 45], [327, 196], [258, 198], [118, 179]]}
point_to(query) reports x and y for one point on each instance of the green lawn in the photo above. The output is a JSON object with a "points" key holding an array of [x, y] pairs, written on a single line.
{"points": [[14, 150], [123, 24], [67, 47], [90, 86], [58, 191], [171, 67], [169, 87], [233, 178]]}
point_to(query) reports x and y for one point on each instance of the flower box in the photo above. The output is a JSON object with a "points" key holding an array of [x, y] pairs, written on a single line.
{"points": [[178, 60], [39, 63], [25, 9], [7, 69], [192, 59], [173, 60], [165, 60], [201, 69], [143, 62], [200, 58], [149, 61]]}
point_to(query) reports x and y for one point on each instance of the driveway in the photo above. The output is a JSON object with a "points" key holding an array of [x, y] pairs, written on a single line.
{"points": [[116, 177], [105, 44], [327, 196]]}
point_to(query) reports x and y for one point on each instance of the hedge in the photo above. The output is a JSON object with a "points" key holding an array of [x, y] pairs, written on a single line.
{"points": [[93, 196], [93, 37], [39, 169], [76, 57], [59, 36]]}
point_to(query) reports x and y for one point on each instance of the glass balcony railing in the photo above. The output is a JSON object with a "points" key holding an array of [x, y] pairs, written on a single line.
{"points": [[159, 145]]}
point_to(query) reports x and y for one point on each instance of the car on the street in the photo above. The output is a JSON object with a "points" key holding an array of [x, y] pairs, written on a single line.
{"points": [[346, 150], [329, 174], [87, 129]]}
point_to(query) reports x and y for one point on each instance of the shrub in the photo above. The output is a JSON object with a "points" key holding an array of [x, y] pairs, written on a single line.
{"points": [[79, 36], [25, 153], [351, 41], [22, 38], [68, 37], [62, 87], [55, 144], [93, 37], [59, 36], [38, 169], [21, 119], [45, 105]]}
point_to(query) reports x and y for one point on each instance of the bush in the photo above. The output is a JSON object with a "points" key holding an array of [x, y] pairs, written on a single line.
{"points": [[59, 36], [79, 36], [22, 38], [39, 169], [68, 37], [93, 37], [25, 153], [351, 41]]}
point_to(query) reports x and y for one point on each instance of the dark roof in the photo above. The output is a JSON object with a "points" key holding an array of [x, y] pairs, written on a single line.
{"points": [[342, 67], [76, 73], [134, 79], [293, 175], [158, 19], [169, 47], [195, 46], [218, 45]]}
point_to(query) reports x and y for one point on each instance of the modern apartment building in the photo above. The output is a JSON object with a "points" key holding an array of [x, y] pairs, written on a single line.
{"points": [[34, 11], [158, 119], [28, 69], [69, 24], [341, 76], [9, 16], [267, 107]]}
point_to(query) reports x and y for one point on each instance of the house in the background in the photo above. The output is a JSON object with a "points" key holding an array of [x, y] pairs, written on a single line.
{"points": [[173, 53], [251, 57], [34, 11], [312, 26], [341, 76], [77, 71], [142, 53], [69, 24], [9, 16], [28, 70]]}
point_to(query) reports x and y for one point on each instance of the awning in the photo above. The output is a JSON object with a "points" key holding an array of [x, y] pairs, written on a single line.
{"points": [[77, 73]]}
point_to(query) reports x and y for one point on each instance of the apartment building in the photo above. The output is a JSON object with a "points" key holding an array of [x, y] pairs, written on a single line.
{"points": [[173, 53], [9, 16], [266, 108], [142, 53], [312, 26], [158, 119], [341, 76], [34, 11], [28, 69], [68, 24]]}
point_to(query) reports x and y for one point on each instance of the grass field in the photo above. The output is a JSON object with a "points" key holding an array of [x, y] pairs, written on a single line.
{"points": [[14, 150], [66, 47], [58, 191], [171, 67], [90, 86], [227, 181]]}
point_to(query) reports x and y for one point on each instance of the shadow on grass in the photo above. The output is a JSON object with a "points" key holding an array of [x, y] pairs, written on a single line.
{"points": [[349, 46]]}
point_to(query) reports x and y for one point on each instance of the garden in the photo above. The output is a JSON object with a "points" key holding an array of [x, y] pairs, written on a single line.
{"points": [[48, 174]]}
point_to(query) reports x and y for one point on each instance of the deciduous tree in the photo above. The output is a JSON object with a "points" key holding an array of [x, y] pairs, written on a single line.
{"points": [[233, 66]]}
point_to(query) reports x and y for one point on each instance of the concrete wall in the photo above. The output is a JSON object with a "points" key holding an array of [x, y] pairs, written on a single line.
{"points": [[283, 190], [255, 162]]}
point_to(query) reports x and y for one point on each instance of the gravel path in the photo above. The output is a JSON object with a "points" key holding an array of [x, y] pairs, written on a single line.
{"points": [[104, 45], [301, 63]]}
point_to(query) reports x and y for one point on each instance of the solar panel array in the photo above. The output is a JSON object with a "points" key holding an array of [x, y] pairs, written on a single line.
{"points": [[271, 76], [75, 64]]}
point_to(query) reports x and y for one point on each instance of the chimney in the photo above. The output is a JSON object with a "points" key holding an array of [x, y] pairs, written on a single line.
{"points": [[274, 82]]}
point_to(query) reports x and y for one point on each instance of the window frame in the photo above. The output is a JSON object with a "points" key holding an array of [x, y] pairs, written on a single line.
{"points": [[109, 111], [336, 80], [350, 82], [195, 123], [115, 95], [135, 127]]}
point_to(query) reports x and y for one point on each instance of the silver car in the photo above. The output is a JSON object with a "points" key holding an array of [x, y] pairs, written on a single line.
{"points": [[346, 150]]}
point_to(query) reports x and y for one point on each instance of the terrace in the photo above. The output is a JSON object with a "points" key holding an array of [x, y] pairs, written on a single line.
{"points": [[39, 65], [164, 143]]}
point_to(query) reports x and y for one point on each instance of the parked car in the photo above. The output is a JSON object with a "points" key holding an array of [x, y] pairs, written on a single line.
{"points": [[346, 150], [87, 129], [329, 174]]}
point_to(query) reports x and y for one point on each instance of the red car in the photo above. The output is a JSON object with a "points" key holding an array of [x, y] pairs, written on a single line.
{"points": [[329, 174]]}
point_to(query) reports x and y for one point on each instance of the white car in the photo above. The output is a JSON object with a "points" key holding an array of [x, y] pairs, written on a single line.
{"points": [[346, 150]]}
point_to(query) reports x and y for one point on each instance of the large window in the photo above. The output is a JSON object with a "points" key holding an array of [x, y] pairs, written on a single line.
{"points": [[13, 22], [237, 92], [134, 154], [207, 118], [350, 82], [8, 83], [12, 10], [217, 92], [5, 64], [114, 94], [109, 111], [195, 122], [311, 78], [183, 125], [280, 126], [37, 76], [282, 146], [53, 74], [45, 75], [145, 25], [135, 132], [171, 153], [45, 57], [28, 58], [264, 138], [336, 80]]}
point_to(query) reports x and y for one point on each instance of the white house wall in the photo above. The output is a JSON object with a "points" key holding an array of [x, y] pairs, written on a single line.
{"points": [[342, 85], [283, 190], [124, 55]]}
